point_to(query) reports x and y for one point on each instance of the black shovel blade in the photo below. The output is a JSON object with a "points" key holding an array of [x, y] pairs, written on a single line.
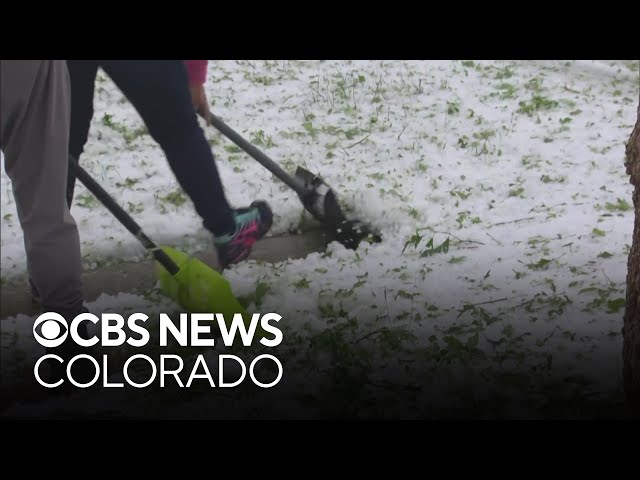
{"points": [[321, 202], [315, 191]]}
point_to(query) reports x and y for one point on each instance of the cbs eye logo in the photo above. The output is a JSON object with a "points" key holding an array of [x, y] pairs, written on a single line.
{"points": [[50, 330]]}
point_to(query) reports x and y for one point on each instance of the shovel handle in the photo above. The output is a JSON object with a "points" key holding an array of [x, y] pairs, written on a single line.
{"points": [[250, 149], [123, 217]]}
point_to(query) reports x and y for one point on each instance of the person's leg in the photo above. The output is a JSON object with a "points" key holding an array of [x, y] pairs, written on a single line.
{"points": [[82, 77], [159, 92], [34, 135], [82, 74]]}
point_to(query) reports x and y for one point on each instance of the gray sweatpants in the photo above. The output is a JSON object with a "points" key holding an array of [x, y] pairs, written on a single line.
{"points": [[34, 136]]}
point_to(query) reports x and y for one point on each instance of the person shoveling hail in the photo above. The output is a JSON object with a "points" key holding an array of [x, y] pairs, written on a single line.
{"points": [[169, 95]]}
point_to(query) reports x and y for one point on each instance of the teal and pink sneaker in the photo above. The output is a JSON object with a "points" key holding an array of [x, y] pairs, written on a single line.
{"points": [[252, 224]]}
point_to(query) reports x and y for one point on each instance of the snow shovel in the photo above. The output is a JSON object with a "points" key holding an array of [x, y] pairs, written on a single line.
{"points": [[316, 196], [186, 280]]}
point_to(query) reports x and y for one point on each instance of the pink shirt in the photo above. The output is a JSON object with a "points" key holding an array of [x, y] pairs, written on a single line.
{"points": [[197, 70]]}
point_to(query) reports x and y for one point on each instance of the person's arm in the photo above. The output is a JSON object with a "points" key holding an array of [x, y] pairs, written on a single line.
{"points": [[197, 70]]}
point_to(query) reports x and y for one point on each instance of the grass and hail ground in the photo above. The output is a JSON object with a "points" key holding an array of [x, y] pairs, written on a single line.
{"points": [[499, 188]]}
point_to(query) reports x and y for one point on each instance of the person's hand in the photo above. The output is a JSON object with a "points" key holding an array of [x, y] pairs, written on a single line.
{"points": [[200, 102]]}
